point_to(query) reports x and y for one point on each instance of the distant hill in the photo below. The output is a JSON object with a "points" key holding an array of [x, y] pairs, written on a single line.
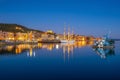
{"points": [[16, 28]]}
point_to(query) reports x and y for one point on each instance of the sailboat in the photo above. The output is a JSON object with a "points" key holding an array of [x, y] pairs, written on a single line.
{"points": [[68, 39]]}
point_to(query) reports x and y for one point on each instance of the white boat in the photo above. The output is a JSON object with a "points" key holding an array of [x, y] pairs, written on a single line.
{"points": [[67, 38], [105, 42], [67, 41]]}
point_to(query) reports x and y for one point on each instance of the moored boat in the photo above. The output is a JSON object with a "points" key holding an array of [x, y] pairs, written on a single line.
{"points": [[105, 42], [67, 41], [67, 37]]}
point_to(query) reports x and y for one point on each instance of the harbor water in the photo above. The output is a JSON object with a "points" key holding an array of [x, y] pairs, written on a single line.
{"points": [[59, 62]]}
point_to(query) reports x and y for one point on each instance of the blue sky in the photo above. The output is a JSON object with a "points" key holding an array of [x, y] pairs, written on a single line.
{"points": [[85, 17]]}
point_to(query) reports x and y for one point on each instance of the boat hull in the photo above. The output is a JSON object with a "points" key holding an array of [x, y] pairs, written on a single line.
{"points": [[67, 41], [103, 46]]}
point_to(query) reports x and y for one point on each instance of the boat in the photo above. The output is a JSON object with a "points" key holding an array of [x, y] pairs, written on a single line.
{"points": [[67, 38], [94, 46], [105, 42], [67, 41]]}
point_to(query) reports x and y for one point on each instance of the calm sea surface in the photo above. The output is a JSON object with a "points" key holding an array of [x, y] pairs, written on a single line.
{"points": [[59, 61]]}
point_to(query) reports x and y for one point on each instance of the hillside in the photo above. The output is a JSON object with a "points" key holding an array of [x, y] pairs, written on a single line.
{"points": [[16, 28]]}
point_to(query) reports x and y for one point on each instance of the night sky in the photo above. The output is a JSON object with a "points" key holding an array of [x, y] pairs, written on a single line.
{"points": [[85, 17]]}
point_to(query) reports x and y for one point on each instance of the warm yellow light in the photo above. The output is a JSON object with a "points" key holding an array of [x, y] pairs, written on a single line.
{"points": [[83, 43], [50, 47], [39, 45], [57, 46], [9, 48], [31, 51], [9, 38], [18, 50], [83, 38], [49, 31]]}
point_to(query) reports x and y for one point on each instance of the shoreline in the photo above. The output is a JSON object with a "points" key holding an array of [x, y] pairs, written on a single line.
{"points": [[16, 43]]}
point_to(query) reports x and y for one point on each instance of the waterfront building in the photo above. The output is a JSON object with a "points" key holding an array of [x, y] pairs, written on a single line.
{"points": [[1, 35]]}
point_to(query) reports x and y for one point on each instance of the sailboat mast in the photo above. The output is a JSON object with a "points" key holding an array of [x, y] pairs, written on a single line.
{"points": [[72, 34], [64, 33], [68, 33]]}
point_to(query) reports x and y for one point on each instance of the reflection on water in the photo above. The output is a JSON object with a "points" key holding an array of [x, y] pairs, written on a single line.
{"points": [[104, 52], [58, 61], [68, 48], [29, 48]]}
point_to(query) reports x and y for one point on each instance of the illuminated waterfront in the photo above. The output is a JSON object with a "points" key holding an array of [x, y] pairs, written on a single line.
{"points": [[60, 40], [29, 48], [58, 61]]}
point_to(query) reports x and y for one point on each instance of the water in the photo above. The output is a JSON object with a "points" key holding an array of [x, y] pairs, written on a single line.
{"points": [[58, 61]]}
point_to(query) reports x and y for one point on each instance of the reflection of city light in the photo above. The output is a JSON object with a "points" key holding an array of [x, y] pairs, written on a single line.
{"points": [[27, 53], [50, 47], [64, 52], [64, 49], [83, 43], [34, 54], [68, 48], [9, 48], [18, 50], [57, 46], [30, 51], [39, 45]]}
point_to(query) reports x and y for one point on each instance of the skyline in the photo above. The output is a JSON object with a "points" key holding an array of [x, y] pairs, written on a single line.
{"points": [[85, 17]]}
